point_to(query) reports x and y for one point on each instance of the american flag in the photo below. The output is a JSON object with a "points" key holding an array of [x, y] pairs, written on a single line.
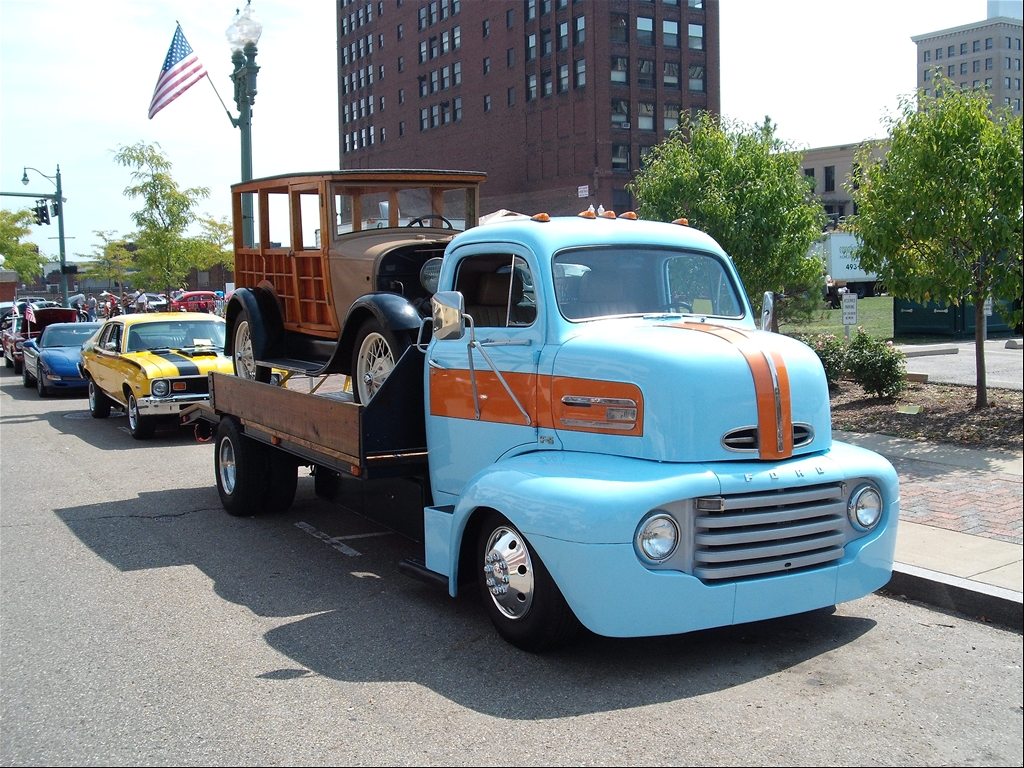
{"points": [[181, 70]]}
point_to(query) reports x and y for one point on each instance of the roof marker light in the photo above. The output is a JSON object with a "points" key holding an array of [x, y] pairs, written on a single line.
{"points": [[588, 214], [608, 214], [629, 215], [540, 217], [682, 222]]}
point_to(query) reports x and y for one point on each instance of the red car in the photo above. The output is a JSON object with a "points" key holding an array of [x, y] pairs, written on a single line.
{"points": [[195, 301], [26, 322]]}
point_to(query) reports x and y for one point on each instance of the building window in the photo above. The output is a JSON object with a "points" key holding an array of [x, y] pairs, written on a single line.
{"points": [[531, 47], [989, 64], [620, 28], [620, 70], [563, 36], [446, 113], [670, 79], [620, 113], [531, 87], [976, 65], [401, 63], [434, 81], [401, 95], [963, 67], [399, 31], [546, 87], [696, 37], [423, 85], [433, 47], [422, 17], [830, 178], [509, 18], [988, 43], [670, 34], [487, 65], [435, 115], [423, 51], [670, 117], [620, 158], [487, 102], [545, 7], [511, 97], [445, 42], [510, 57], [644, 30], [531, 10], [446, 78], [424, 119], [928, 55], [938, 54], [580, 73], [487, 28], [976, 46], [580, 30], [646, 150], [951, 70], [401, 129], [645, 116], [963, 49], [645, 73], [545, 42], [433, 13], [456, 37], [697, 78], [697, 5], [563, 78], [457, 73]]}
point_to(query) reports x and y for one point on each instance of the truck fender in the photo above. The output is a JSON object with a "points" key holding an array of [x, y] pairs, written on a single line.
{"points": [[391, 310], [265, 321]]}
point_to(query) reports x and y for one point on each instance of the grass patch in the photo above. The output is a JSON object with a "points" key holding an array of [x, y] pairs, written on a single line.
{"points": [[874, 315]]}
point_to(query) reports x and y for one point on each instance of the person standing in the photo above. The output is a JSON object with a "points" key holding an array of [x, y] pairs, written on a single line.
{"points": [[142, 302], [90, 307]]}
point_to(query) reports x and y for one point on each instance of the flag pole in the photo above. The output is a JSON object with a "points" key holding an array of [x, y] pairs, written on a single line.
{"points": [[234, 122]]}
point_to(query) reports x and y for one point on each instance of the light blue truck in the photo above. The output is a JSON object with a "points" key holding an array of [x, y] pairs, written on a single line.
{"points": [[590, 430]]}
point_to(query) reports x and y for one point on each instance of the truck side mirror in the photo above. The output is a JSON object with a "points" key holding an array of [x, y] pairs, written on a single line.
{"points": [[767, 309], [447, 308]]}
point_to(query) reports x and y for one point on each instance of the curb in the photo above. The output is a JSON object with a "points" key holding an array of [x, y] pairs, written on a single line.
{"points": [[981, 602]]}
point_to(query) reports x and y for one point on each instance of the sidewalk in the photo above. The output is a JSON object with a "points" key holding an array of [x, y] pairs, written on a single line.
{"points": [[960, 544]]}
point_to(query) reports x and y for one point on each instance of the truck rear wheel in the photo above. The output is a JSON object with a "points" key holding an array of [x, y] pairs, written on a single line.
{"points": [[243, 355], [240, 468], [374, 354], [522, 600]]}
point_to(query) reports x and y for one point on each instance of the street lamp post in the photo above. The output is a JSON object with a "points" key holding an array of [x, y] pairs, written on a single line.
{"points": [[242, 35], [59, 200]]}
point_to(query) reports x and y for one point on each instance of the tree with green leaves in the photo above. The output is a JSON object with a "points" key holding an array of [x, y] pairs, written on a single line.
{"points": [[110, 261], [23, 257], [216, 243], [743, 186], [165, 254], [940, 218]]}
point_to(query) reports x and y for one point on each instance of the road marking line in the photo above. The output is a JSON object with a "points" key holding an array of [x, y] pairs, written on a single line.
{"points": [[337, 542]]}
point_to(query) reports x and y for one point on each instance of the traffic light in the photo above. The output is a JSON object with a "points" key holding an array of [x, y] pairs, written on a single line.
{"points": [[42, 212]]}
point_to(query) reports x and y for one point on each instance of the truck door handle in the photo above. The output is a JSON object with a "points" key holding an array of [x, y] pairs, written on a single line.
{"points": [[434, 364]]}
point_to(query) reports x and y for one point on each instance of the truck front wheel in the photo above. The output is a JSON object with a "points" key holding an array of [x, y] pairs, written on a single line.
{"points": [[374, 354], [243, 355], [522, 600]]}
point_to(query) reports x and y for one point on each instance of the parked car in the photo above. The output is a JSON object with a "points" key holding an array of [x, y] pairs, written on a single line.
{"points": [[195, 301], [51, 361], [152, 365], [26, 322]]}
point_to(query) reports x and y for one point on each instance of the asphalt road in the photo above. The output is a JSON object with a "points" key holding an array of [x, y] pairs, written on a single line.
{"points": [[956, 363], [140, 624]]}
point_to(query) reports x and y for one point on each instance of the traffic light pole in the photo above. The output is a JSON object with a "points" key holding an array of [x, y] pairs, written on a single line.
{"points": [[58, 198]]}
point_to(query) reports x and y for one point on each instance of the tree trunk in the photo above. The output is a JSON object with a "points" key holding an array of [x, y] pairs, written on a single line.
{"points": [[981, 399]]}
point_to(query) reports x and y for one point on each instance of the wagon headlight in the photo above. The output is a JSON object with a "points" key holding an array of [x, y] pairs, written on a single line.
{"points": [[658, 537], [865, 508], [160, 388]]}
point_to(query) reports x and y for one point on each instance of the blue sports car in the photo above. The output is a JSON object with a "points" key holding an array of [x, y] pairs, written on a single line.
{"points": [[52, 359]]}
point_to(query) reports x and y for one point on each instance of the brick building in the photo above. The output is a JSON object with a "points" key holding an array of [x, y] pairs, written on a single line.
{"points": [[556, 100]]}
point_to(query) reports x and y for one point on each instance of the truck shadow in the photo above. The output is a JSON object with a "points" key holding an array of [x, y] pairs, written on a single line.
{"points": [[364, 621]]}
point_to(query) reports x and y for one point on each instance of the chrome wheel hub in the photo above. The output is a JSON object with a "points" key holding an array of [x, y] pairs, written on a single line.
{"points": [[226, 466], [508, 573]]}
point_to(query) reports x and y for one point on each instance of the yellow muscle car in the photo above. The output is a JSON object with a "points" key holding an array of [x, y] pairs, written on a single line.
{"points": [[152, 365]]}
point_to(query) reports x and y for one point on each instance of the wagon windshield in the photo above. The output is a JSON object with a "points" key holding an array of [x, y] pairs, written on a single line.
{"points": [[604, 282]]}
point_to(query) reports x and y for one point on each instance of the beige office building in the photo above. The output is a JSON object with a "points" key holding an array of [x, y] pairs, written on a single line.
{"points": [[986, 54]]}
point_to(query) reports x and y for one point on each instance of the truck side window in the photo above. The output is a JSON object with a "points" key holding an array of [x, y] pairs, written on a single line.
{"points": [[498, 290]]}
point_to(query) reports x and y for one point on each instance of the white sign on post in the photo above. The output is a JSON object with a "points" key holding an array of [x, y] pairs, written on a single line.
{"points": [[987, 307], [849, 311]]}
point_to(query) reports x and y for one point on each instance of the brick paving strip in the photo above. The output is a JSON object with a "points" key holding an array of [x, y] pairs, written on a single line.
{"points": [[979, 503]]}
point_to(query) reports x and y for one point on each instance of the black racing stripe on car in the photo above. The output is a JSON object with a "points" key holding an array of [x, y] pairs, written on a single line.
{"points": [[185, 366]]}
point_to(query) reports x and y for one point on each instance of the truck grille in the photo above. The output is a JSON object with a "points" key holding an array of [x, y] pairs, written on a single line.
{"points": [[745, 439], [755, 534]]}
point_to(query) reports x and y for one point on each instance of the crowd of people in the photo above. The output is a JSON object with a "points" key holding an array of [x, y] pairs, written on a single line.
{"points": [[109, 304]]}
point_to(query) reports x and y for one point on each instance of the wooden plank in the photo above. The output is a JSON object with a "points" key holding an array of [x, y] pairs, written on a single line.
{"points": [[308, 419]]}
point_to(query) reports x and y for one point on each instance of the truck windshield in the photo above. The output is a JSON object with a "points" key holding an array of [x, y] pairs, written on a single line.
{"points": [[603, 282]]}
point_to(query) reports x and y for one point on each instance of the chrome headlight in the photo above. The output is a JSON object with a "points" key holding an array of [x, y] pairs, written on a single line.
{"points": [[658, 537], [160, 388], [865, 508]]}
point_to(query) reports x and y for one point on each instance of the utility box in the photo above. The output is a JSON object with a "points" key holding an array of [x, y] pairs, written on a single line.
{"points": [[938, 319]]}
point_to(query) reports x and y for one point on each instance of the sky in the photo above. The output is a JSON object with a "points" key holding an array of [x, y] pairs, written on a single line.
{"points": [[76, 80]]}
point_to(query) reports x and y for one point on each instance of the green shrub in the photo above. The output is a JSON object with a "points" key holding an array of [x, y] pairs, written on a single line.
{"points": [[878, 366], [831, 350]]}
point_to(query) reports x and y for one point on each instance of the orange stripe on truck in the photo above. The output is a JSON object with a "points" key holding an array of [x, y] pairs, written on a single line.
{"points": [[771, 388], [559, 402]]}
